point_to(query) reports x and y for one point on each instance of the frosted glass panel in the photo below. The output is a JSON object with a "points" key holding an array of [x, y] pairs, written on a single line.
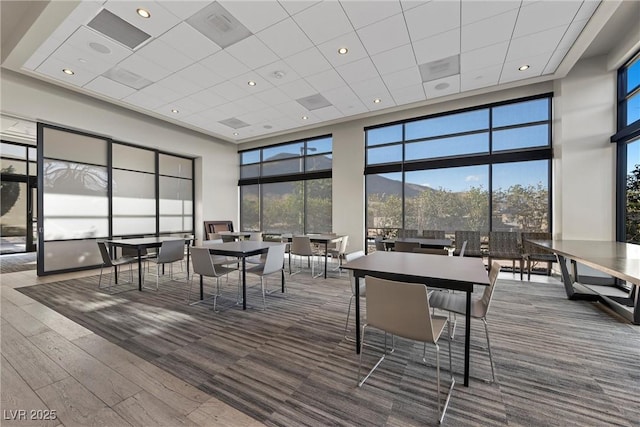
{"points": [[172, 223], [133, 158], [134, 193], [134, 225], [175, 166], [71, 254], [72, 146]]}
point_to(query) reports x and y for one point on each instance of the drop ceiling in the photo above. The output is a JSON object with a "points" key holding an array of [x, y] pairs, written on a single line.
{"points": [[242, 70]]}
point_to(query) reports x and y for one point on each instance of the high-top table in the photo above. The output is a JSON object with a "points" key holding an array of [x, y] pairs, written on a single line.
{"points": [[457, 273], [321, 239], [145, 243], [241, 249], [620, 260]]}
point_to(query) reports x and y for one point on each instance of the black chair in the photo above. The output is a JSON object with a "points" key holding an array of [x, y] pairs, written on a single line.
{"points": [[532, 254]]}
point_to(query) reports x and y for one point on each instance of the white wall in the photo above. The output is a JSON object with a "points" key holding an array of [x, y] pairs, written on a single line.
{"points": [[584, 159], [217, 168]]}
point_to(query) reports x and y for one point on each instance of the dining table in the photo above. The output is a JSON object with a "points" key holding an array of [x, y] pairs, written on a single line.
{"points": [[141, 243], [422, 241], [455, 273], [319, 238], [241, 249]]}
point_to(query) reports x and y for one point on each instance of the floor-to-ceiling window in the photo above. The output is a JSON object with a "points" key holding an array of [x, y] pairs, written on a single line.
{"points": [[96, 188], [286, 188], [484, 169], [18, 189]]}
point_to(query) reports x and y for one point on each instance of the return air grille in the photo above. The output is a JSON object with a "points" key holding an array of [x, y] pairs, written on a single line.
{"points": [[118, 29]]}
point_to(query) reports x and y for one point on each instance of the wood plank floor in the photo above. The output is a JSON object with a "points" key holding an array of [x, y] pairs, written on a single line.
{"points": [[146, 358]]}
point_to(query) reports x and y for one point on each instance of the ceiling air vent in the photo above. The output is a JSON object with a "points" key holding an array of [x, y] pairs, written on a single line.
{"points": [[439, 69], [215, 23], [314, 102], [118, 29], [234, 123], [127, 78]]}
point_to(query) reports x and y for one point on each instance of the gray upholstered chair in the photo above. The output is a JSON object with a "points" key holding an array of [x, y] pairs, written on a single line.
{"points": [[433, 234], [301, 247], [472, 238], [532, 254], [505, 245], [274, 263], [405, 246], [108, 262], [402, 233], [402, 309], [203, 264], [171, 251], [456, 303], [339, 252], [431, 251]]}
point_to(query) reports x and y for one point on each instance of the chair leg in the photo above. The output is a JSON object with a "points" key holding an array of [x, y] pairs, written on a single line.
{"points": [[384, 355], [346, 324], [486, 330]]}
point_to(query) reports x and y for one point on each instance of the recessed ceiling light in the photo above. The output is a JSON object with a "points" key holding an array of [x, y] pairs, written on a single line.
{"points": [[251, 83], [68, 71], [236, 134], [304, 117], [143, 12], [441, 86], [377, 101], [524, 67], [174, 111], [343, 51]]}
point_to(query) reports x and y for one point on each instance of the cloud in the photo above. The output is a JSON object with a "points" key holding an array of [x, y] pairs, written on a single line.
{"points": [[472, 178], [426, 184]]}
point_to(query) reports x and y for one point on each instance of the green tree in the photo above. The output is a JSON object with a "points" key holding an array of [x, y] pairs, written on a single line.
{"points": [[633, 206]]}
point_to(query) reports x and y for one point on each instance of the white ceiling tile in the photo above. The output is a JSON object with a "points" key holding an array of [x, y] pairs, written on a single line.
{"points": [[200, 75], [328, 113], [285, 38], [180, 84], [278, 73], [230, 110], [325, 80], [410, 4], [555, 60], [143, 67], [357, 71], [394, 60], [483, 57], [370, 89], [261, 84], [189, 41], [183, 9], [488, 31], [250, 103], [84, 12], [298, 89], [255, 15], [161, 19], [252, 52], [433, 18], [408, 94], [254, 118], [144, 100], [345, 100], [52, 67], [164, 55], [363, 13], [214, 114], [208, 97], [314, 21], [189, 105], [168, 110], [293, 109], [543, 15], [437, 47], [442, 87], [536, 64], [231, 91], [308, 62], [109, 88], [296, 6], [403, 78], [587, 9], [272, 96], [224, 64], [351, 41], [158, 91], [197, 120], [475, 79], [42, 53], [384, 35], [572, 33], [534, 44], [84, 38], [474, 11], [385, 102], [75, 58]]}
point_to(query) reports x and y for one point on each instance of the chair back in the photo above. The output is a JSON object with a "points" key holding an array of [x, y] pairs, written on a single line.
{"points": [[504, 243], [529, 248], [407, 233], [431, 251], [202, 263], [433, 234], [275, 259], [227, 238], [256, 236], [487, 295], [463, 248], [473, 242], [106, 258], [406, 246], [343, 245], [380, 245], [171, 251], [301, 245], [399, 308], [213, 236], [348, 258]]}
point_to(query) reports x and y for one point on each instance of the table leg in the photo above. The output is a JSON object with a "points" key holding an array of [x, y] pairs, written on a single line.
{"points": [[357, 297], [326, 248], [467, 340], [283, 278], [188, 253], [139, 268], [201, 288], [244, 283]]}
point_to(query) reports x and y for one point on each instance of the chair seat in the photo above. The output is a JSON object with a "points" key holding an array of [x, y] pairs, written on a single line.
{"points": [[439, 323], [540, 257], [124, 260], [504, 255], [456, 303]]}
